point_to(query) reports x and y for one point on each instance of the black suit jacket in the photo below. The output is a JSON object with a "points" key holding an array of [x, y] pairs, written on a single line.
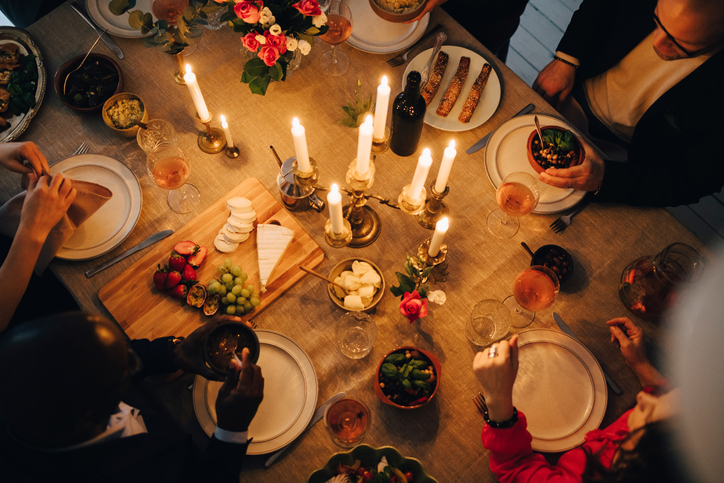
{"points": [[675, 156]]}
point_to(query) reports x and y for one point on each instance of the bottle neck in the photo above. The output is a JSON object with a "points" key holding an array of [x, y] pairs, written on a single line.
{"points": [[412, 92]]}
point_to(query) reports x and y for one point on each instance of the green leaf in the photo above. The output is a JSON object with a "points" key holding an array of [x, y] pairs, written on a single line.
{"points": [[303, 36], [406, 369], [406, 384], [260, 85], [426, 272], [406, 283], [312, 31], [256, 67], [246, 78], [276, 72], [119, 7], [136, 19], [396, 358], [347, 122], [417, 374], [396, 291], [390, 371], [423, 291], [416, 363], [422, 385]]}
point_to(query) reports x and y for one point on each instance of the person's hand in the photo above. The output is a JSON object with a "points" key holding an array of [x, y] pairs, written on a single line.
{"points": [[497, 375], [46, 201], [630, 339], [428, 6], [555, 82], [189, 354], [13, 156], [587, 176], [240, 395]]}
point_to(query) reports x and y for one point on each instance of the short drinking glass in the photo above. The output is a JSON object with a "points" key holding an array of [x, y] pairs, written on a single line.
{"points": [[489, 321], [347, 421], [157, 132], [356, 333]]}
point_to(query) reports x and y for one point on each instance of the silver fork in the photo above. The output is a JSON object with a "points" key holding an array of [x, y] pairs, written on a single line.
{"points": [[479, 401], [82, 149], [400, 59], [562, 222]]}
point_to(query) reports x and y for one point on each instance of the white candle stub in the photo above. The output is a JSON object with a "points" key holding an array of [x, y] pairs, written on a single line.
{"points": [[383, 102], [364, 146], [334, 199], [300, 146], [227, 132], [418, 180], [196, 96], [437, 237], [445, 167]]}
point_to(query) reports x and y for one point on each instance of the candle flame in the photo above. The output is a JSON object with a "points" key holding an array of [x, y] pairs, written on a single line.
{"points": [[368, 119], [384, 80], [334, 188], [223, 118], [295, 122], [452, 144], [188, 69], [443, 224]]}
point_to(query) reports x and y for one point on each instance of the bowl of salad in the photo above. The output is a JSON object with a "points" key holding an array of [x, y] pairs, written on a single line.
{"points": [[408, 377], [383, 465], [560, 149]]}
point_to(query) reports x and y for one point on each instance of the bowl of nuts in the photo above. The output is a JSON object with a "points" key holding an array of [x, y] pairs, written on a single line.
{"points": [[555, 258], [559, 149], [122, 111]]}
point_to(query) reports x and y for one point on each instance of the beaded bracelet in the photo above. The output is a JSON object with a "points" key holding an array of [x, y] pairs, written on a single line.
{"points": [[565, 62], [501, 424]]}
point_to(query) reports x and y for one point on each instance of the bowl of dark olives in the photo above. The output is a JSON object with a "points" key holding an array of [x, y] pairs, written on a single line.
{"points": [[556, 258], [90, 86]]}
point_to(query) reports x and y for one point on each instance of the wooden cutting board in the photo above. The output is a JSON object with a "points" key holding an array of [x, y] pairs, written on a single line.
{"points": [[144, 312]]}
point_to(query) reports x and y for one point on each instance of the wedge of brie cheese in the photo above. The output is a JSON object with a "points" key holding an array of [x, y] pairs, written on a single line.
{"points": [[271, 241]]}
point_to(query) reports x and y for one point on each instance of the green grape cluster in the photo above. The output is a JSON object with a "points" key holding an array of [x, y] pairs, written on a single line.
{"points": [[237, 298]]}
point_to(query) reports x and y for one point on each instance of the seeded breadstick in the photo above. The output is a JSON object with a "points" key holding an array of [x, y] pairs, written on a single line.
{"points": [[435, 78], [453, 90], [472, 101]]}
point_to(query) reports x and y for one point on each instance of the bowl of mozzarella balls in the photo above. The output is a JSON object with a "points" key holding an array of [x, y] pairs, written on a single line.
{"points": [[363, 283]]}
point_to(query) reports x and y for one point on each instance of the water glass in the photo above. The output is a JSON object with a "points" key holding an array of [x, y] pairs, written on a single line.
{"points": [[157, 132], [489, 321], [356, 333]]}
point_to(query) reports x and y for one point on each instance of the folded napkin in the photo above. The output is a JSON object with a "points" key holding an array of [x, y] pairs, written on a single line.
{"points": [[90, 198]]}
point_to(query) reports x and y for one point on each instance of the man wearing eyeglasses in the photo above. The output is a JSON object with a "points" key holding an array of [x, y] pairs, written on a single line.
{"points": [[645, 80]]}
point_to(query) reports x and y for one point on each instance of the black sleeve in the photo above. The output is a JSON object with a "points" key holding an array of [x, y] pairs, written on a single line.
{"points": [[155, 355], [223, 461], [586, 28]]}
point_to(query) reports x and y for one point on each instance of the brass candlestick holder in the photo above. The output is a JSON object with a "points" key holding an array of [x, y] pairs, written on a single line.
{"points": [[434, 208], [364, 221], [422, 251], [306, 178], [232, 152], [179, 75], [410, 205], [381, 145], [212, 139], [338, 240]]}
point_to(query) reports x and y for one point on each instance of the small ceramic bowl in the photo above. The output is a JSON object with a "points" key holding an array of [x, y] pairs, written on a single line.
{"points": [[534, 136], [337, 294], [438, 375], [126, 132], [385, 10], [225, 339], [102, 61], [556, 258]]}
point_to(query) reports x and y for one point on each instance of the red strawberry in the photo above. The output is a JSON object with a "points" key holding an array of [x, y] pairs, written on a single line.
{"points": [[188, 275], [185, 248], [198, 256], [176, 262], [173, 279], [180, 292], [159, 278]]}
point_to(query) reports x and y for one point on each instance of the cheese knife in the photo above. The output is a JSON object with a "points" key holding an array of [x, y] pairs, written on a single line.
{"points": [[318, 414], [564, 327], [80, 10], [144, 244], [481, 144]]}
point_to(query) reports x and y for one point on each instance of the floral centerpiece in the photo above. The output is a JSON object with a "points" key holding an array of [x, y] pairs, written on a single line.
{"points": [[414, 291], [276, 31]]}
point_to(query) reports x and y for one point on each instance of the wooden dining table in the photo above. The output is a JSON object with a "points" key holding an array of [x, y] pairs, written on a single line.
{"points": [[445, 434]]}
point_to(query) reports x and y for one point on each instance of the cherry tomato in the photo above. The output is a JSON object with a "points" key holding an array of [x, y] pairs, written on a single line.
{"points": [[361, 471], [367, 476], [409, 475]]}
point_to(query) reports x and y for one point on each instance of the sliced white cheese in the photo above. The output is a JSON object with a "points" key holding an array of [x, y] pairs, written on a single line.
{"points": [[223, 246], [232, 237], [272, 241], [352, 283], [371, 278], [247, 217], [360, 268], [239, 227], [239, 204], [353, 302]]}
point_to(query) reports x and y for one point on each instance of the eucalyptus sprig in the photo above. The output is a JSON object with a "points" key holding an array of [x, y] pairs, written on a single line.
{"points": [[415, 278], [356, 108]]}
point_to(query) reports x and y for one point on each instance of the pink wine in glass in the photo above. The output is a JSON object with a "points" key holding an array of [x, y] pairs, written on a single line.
{"points": [[515, 199], [171, 173], [535, 290], [347, 421], [340, 28]]}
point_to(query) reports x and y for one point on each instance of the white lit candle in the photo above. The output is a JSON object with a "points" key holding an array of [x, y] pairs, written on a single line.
{"points": [[383, 101], [436, 242], [193, 85], [227, 132], [334, 198], [423, 168], [445, 167], [364, 146], [300, 146]]}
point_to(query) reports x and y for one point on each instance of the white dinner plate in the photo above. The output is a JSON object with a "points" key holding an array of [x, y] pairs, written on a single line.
{"points": [[506, 153], [117, 24], [489, 100], [371, 33], [560, 388], [114, 221], [290, 395], [18, 124]]}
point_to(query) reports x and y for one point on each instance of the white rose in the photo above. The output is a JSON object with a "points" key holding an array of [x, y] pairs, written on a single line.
{"points": [[319, 20], [261, 39], [292, 44], [275, 29], [266, 17], [304, 47], [436, 297]]}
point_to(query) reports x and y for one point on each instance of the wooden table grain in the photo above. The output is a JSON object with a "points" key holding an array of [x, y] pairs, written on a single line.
{"points": [[444, 435]]}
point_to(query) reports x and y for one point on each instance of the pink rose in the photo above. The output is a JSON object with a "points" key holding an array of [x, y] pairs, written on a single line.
{"points": [[279, 42], [250, 42], [412, 306], [308, 7], [269, 55], [248, 11]]}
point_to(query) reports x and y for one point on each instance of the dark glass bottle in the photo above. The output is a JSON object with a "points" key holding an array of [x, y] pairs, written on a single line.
{"points": [[408, 114]]}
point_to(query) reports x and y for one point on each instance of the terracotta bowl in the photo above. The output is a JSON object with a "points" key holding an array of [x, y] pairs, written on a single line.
{"points": [[438, 373], [534, 135], [337, 295], [396, 17], [128, 132], [220, 337], [64, 69]]}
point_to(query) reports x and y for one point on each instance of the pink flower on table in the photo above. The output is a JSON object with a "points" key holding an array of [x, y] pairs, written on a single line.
{"points": [[250, 42], [269, 55], [248, 11], [308, 7], [279, 42], [412, 306]]}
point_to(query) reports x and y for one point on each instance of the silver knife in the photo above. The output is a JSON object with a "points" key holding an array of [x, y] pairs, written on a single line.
{"points": [[80, 10], [145, 243], [564, 327], [481, 144], [318, 414]]}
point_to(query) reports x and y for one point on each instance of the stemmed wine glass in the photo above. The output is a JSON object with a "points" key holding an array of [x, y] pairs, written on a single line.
{"points": [[339, 21], [534, 289], [170, 170], [517, 196]]}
